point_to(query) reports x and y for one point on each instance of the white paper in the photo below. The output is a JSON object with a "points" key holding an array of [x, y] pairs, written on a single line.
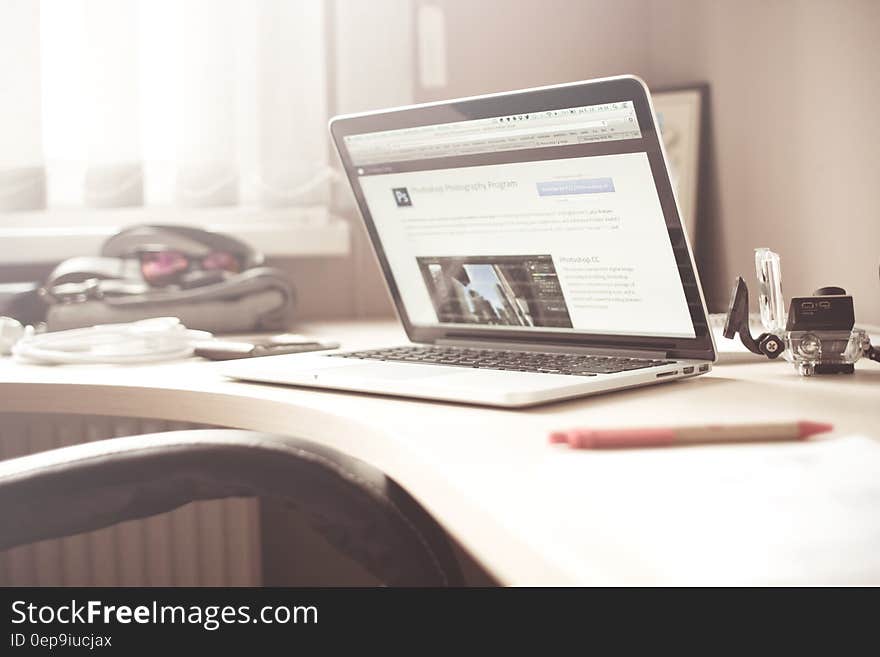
{"points": [[805, 513]]}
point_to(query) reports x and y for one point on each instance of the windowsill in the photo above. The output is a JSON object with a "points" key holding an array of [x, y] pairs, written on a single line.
{"points": [[53, 235]]}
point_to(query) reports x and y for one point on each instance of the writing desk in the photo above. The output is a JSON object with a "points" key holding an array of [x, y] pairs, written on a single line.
{"points": [[532, 513]]}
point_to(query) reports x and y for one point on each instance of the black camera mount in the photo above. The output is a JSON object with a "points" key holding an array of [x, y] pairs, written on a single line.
{"points": [[766, 344]]}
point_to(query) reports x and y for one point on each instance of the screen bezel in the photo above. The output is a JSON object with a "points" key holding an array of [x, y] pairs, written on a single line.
{"points": [[594, 92]]}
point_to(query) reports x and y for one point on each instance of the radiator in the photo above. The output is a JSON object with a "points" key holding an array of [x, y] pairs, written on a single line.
{"points": [[214, 543]]}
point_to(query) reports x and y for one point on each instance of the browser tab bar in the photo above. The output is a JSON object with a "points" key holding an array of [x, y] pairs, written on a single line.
{"points": [[557, 127]]}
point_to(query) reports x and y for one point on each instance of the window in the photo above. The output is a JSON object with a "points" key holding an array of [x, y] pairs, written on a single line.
{"points": [[200, 103], [208, 112]]}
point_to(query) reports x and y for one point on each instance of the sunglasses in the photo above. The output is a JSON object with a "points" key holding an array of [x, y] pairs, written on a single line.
{"points": [[160, 267]]}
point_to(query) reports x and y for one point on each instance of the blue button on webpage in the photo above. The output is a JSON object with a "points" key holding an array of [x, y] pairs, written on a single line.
{"points": [[579, 186]]}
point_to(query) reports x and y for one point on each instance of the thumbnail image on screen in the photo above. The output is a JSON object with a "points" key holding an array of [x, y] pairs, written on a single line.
{"points": [[496, 290]]}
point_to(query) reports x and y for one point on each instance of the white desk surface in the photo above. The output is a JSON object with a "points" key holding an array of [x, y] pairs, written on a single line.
{"points": [[533, 513]]}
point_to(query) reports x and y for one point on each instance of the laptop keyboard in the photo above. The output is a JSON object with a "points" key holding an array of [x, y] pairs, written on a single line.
{"points": [[511, 361]]}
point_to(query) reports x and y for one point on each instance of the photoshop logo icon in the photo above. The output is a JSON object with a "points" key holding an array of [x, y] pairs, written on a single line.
{"points": [[401, 197]]}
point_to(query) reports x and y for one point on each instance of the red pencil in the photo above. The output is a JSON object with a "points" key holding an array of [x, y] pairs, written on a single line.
{"points": [[688, 435]]}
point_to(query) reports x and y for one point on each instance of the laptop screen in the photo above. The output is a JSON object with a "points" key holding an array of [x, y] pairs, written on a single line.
{"points": [[548, 220]]}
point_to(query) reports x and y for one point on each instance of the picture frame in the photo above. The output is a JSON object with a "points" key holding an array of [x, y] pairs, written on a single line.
{"points": [[680, 119]]}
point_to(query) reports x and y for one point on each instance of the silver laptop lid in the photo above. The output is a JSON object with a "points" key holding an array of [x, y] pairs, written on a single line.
{"points": [[544, 215]]}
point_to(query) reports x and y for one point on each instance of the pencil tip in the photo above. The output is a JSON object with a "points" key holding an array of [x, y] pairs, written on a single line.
{"points": [[808, 429]]}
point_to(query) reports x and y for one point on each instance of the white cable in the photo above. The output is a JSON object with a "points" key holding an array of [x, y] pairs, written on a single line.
{"points": [[11, 331], [146, 341]]}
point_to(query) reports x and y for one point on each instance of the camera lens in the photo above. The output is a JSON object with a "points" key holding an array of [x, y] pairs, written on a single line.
{"points": [[810, 346]]}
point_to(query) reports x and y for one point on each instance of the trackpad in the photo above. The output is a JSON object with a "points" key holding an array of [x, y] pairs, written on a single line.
{"points": [[385, 371]]}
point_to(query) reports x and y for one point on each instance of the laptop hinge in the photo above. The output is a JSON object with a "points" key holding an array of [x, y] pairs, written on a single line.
{"points": [[551, 348]]}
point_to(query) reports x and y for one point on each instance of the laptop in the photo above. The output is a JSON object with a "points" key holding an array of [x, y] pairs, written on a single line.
{"points": [[532, 245]]}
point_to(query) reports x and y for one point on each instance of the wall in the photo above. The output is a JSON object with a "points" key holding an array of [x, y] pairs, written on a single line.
{"points": [[795, 88], [498, 45]]}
